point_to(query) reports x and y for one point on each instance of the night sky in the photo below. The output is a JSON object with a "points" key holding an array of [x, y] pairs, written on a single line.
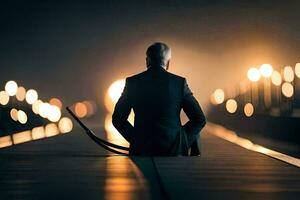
{"points": [[74, 50]]}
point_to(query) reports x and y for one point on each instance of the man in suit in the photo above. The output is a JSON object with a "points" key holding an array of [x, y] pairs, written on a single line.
{"points": [[157, 97]]}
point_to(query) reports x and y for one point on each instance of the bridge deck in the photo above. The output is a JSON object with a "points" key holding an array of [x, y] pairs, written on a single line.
{"points": [[71, 166]]}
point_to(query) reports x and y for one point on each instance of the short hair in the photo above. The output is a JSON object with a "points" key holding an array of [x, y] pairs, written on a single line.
{"points": [[158, 54]]}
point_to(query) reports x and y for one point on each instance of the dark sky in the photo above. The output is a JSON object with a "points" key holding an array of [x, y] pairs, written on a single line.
{"points": [[74, 50]]}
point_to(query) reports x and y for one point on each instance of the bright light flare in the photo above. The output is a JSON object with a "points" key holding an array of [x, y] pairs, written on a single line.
{"points": [[276, 78], [231, 105], [11, 88], [4, 98], [115, 90], [253, 74], [288, 74], [287, 90], [31, 96], [266, 70], [21, 93], [65, 125]]}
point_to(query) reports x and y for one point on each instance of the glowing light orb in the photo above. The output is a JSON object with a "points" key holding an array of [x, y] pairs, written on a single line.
{"points": [[43, 109], [56, 102], [287, 90], [253, 74], [65, 125], [11, 88], [38, 133], [80, 109], [288, 74], [248, 109], [90, 106], [36, 106], [51, 130], [4, 98], [276, 78], [266, 70], [116, 89], [31, 96], [22, 117], [53, 113], [231, 105], [218, 96], [14, 114], [21, 93], [297, 70]]}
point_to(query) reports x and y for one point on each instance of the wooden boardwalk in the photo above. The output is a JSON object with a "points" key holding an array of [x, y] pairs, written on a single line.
{"points": [[71, 166]]}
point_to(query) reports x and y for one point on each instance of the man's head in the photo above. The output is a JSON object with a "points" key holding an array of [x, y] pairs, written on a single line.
{"points": [[158, 55]]}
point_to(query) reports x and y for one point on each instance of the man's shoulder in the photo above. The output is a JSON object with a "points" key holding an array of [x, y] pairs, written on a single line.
{"points": [[175, 76], [141, 75], [136, 76]]}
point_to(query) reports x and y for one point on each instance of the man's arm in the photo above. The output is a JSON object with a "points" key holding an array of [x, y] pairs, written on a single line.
{"points": [[194, 112], [121, 113]]}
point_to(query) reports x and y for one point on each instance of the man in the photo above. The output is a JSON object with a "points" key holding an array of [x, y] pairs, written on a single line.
{"points": [[157, 97]]}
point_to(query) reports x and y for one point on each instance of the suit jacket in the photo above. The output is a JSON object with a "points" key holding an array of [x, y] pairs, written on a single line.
{"points": [[157, 97]]}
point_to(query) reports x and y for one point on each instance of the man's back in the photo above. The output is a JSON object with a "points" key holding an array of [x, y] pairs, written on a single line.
{"points": [[157, 97]]}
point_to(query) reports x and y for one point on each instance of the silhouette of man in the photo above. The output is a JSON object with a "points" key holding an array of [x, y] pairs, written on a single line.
{"points": [[157, 97]]}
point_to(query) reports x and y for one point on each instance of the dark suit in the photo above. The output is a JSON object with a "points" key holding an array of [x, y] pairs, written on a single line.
{"points": [[157, 97]]}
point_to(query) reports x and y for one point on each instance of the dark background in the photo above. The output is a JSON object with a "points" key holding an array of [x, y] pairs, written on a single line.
{"points": [[75, 49]]}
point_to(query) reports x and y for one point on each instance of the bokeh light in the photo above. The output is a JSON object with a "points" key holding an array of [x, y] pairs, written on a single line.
{"points": [[56, 102], [4, 98], [65, 125], [116, 89], [231, 105], [266, 70], [11, 88], [21, 93], [53, 113], [31, 96], [218, 96], [14, 114], [91, 107], [253, 74], [80, 109], [287, 89], [22, 117], [276, 78], [21, 137], [248, 109], [112, 133], [43, 109], [51, 130], [297, 70], [36, 106], [288, 74], [38, 133], [5, 141]]}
